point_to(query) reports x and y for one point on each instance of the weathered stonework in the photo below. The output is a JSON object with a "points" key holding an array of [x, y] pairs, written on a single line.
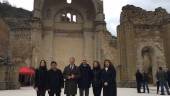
{"points": [[141, 41], [85, 38], [57, 30], [8, 72]]}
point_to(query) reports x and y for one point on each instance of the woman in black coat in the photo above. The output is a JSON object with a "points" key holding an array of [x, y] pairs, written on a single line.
{"points": [[96, 79], [108, 77], [41, 79]]}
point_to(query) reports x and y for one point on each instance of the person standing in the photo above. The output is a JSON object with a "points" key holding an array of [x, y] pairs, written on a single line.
{"points": [[71, 75], [108, 77], [145, 82], [96, 79], [168, 77], [41, 79], [139, 79], [84, 82], [157, 81], [162, 78], [55, 80]]}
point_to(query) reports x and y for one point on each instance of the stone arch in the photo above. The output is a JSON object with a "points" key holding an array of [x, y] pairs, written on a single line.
{"points": [[94, 3], [148, 57]]}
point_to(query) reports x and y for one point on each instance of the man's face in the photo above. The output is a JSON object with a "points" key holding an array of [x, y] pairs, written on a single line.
{"points": [[107, 63], [72, 60], [84, 62], [53, 65]]}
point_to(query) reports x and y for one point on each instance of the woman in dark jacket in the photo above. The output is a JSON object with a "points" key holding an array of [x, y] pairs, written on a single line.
{"points": [[84, 81], [41, 79], [108, 77], [96, 79]]}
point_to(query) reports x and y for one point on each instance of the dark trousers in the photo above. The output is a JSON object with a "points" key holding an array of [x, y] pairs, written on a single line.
{"points": [[139, 87], [97, 91], [145, 86], [109, 91], [157, 84], [169, 83], [70, 95], [52, 93], [84, 92], [164, 84], [41, 92]]}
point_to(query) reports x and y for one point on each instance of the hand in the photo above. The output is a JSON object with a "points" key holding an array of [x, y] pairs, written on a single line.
{"points": [[36, 89], [72, 76], [69, 77], [105, 84]]}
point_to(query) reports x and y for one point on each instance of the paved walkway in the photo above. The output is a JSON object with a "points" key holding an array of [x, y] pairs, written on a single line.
{"points": [[29, 91]]}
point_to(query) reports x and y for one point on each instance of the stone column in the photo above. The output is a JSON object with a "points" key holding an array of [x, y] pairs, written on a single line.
{"points": [[100, 27], [88, 45], [47, 44], [36, 37], [166, 35], [38, 5], [127, 54]]}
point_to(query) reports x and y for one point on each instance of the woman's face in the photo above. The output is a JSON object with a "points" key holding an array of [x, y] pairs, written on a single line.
{"points": [[95, 65], [42, 64]]}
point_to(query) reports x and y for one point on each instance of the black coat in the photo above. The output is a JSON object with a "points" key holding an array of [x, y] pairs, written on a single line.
{"points": [[71, 84], [55, 80], [96, 77], [41, 78], [139, 77], [168, 76], [145, 77], [85, 79], [109, 76]]}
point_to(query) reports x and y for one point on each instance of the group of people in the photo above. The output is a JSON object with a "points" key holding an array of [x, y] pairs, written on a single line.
{"points": [[163, 81], [74, 77]]}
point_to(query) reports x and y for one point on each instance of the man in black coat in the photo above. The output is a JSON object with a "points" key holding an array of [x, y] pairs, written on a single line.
{"points": [[145, 82], [55, 80], [85, 79], [71, 75], [168, 77], [139, 80]]}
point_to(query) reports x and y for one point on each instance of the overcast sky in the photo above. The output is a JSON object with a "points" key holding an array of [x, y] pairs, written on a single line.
{"points": [[112, 8]]}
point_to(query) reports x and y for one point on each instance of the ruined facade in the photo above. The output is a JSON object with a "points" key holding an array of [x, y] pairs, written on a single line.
{"points": [[59, 29], [8, 71], [141, 41], [63, 28]]}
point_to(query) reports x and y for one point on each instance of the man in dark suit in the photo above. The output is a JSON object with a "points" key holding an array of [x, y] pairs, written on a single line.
{"points": [[71, 75]]}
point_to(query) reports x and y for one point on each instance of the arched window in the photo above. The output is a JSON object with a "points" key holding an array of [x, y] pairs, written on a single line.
{"points": [[68, 17], [74, 18]]}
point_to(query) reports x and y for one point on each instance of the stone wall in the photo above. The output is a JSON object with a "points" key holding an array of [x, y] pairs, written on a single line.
{"points": [[140, 29]]}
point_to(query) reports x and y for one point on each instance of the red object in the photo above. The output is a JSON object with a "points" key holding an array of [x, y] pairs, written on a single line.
{"points": [[26, 71]]}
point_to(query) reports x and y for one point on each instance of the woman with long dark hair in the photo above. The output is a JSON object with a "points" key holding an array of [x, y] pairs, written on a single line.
{"points": [[108, 77], [96, 80], [41, 79]]}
